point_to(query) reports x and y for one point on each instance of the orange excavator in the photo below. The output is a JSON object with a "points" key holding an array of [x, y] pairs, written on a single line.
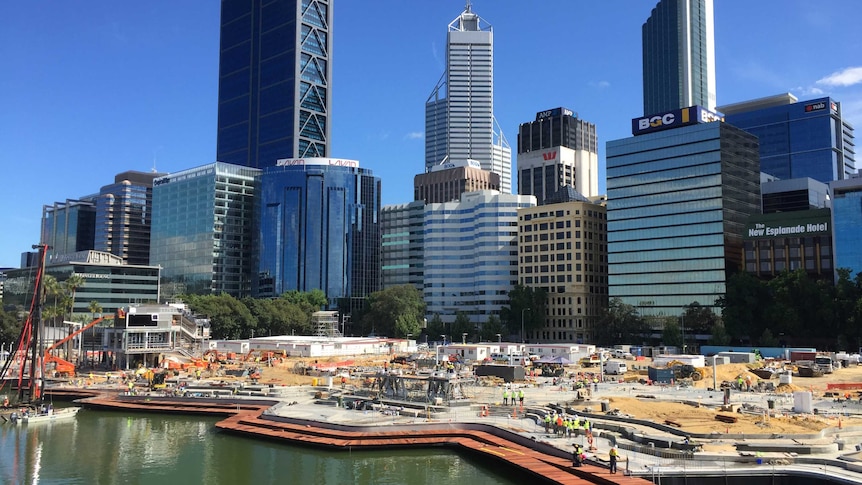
{"points": [[61, 367]]}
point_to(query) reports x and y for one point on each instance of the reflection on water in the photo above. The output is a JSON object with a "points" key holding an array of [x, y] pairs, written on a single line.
{"points": [[107, 448]]}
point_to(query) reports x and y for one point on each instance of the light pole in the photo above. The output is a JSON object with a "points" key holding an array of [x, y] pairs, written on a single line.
{"points": [[682, 324], [464, 338], [499, 338], [523, 335]]}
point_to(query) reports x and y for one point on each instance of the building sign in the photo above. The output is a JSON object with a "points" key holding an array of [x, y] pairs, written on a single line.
{"points": [[92, 257], [809, 108], [332, 162], [789, 224], [553, 112], [674, 119]]}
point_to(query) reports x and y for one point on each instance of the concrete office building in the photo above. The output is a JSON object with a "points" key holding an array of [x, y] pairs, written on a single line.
{"points": [[402, 251], [679, 56], [471, 254], [562, 248], [320, 229], [798, 139], [793, 195], [275, 72], [557, 150], [679, 195], [203, 229], [446, 182], [459, 113], [847, 223]]}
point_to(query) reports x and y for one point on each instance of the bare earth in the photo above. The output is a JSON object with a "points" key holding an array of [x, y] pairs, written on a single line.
{"points": [[691, 417]]}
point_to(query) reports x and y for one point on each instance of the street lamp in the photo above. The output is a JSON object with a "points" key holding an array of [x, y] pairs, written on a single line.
{"points": [[523, 335]]}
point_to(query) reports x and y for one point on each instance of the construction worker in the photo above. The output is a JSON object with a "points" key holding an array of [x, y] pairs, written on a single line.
{"points": [[547, 422], [506, 397], [613, 455], [577, 458], [521, 397]]}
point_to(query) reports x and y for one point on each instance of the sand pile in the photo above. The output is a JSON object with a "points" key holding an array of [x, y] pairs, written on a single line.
{"points": [[702, 420]]}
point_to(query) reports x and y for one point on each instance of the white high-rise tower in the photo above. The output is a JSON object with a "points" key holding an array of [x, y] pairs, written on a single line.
{"points": [[459, 113]]}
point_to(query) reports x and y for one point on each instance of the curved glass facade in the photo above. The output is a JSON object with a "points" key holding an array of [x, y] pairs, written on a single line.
{"points": [[677, 204], [319, 229]]}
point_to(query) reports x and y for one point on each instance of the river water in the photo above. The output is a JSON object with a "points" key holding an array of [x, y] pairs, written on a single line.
{"points": [[105, 448]]}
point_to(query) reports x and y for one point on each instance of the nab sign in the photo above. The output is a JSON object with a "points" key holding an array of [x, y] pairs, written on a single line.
{"points": [[674, 119]]}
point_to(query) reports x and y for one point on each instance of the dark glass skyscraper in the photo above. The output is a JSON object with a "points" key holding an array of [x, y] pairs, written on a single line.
{"points": [[274, 81], [679, 56]]}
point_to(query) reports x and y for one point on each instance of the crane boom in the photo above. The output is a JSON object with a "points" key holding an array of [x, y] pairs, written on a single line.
{"points": [[73, 334]]}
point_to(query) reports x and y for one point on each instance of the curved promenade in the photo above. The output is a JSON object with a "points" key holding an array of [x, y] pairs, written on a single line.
{"points": [[250, 417]]}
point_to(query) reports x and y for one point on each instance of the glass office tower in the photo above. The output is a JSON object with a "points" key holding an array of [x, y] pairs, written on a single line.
{"points": [[798, 139], [459, 113], [679, 56], [68, 227], [678, 201], [319, 229], [274, 80], [847, 223], [203, 229]]}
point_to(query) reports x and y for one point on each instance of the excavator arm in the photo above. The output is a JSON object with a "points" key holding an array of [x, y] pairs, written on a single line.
{"points": [[73, 334]]}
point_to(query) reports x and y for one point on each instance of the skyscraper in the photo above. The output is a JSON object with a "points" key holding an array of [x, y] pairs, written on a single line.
{"points": [[459, 113], [798, 139], [679, 196], [274, 81], [203, 229], [320, 229], [557, 150], [124, 216], [679, 56]]}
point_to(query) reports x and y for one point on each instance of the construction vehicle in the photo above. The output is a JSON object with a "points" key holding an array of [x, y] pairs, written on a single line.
{"points": [[61, 367], [686, 371], [592, 360]]}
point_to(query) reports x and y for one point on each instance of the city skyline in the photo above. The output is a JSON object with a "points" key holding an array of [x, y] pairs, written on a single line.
{"points": [[97, 89]]}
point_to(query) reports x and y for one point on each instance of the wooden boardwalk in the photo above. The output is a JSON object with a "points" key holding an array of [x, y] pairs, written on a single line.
{"points": [[247, 417]]}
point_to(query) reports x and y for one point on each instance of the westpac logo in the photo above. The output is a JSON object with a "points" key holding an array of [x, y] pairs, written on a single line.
{"points": [[550, 155]]}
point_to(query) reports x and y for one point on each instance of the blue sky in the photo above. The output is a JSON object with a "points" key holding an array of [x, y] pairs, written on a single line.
{"points": [[91, 89]]}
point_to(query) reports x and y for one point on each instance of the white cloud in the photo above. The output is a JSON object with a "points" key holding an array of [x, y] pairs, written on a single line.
{"points": [[414, 135], [600, 84], [807, 91], [847, 77]]}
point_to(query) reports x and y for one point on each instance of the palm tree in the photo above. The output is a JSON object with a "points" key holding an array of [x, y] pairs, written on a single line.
{"points": [[94, 308], [53, 290], [71, 285]]}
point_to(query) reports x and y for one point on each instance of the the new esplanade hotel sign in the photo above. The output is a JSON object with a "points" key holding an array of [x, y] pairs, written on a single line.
{"points": [[674, 119], [789, 224]]}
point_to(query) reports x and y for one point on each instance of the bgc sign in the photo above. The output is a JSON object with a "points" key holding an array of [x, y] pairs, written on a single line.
{"points": [[674, 119]]}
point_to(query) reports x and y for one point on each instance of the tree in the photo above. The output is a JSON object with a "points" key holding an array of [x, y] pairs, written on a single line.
{"points": [[491, 329], [620, 323], [395, 311], [744, 306], [767, 339], [10, 328], [435, 328], [462, 325], [697, 318], [718, 335], [229, 317], [71, 286], [671, 334], [526, 305]]}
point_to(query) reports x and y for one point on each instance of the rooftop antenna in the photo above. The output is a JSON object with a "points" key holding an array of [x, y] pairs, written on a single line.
{"points": [[154, 163], [468, 6]]}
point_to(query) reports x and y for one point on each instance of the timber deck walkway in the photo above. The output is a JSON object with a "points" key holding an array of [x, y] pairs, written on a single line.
{"points": [[248, 417]]}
